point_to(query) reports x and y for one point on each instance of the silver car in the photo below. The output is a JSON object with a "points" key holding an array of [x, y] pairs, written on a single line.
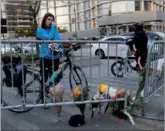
{"points": [[29, 48]]}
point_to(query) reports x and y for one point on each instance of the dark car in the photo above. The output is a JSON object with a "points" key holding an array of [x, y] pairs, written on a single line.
{"points": [[152, 36]]}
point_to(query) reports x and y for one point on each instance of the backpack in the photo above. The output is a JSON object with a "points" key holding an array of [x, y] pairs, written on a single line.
{"points": [[14, 71]]}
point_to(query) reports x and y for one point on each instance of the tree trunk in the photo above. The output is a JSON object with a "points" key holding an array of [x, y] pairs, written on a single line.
{"points": [[35, 27]]}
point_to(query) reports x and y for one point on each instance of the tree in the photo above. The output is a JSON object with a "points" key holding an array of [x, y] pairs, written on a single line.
{"points": [[34, 7], [29, 31]]}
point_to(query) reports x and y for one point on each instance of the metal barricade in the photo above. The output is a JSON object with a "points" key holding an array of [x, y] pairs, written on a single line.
{"points": [[154, 84], [70, 63], [154, 80]]}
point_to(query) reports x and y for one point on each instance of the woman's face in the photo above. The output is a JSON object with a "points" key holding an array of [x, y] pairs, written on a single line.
{"points": [[49, 21]]}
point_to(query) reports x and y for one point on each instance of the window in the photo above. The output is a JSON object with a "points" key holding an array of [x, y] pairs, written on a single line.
{"points": [[137, 5], [61, 10], [115, 39], [87, 4], [12, 23], [24, 23], [128, 34], [153, 36], [62, 19], [100, 10], [147, 5], [50, 3], [80, 7], [43, 4], [87, 15], [87, 25], [12, 28]]}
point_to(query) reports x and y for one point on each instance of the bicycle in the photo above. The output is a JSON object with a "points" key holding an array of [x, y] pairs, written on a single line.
{"points": [[36, 78], [122, 66]]}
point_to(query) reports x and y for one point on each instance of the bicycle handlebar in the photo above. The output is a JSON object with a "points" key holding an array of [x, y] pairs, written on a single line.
{"points": [[75, 48]]}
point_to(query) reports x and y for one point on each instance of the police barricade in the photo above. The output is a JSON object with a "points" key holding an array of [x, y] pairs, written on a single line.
{"points": [[153, 83], [41, 83], [154, 80]]}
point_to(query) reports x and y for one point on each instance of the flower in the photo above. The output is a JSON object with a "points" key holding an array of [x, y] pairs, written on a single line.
{"points": [[112, 92], [76, 91], [150, 71], [102, 88], [160, 70], [79, 94]]}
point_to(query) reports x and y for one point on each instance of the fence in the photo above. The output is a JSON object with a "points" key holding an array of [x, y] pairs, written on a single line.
{"points": [[96, 73], [89, 75], [155, 80]]}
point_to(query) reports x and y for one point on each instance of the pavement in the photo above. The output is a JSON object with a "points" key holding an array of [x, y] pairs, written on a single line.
{"points": [[46, 119]]}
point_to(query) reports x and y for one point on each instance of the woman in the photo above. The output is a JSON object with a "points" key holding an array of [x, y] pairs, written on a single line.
{"points": [[49, 52]]}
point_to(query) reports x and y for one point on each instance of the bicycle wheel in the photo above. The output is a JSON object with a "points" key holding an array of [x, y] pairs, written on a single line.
{"points": [[77, 75], [10, 99], [118, 69]]}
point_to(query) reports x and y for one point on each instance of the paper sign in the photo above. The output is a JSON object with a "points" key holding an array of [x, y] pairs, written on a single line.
{"points": [[160, 63]]}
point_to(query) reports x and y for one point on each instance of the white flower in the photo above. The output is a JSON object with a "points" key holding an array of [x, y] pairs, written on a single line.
{"points": [[112, 92]]}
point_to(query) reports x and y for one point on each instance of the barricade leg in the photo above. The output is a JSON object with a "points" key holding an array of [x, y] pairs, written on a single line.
{"points": [[126, 112]]}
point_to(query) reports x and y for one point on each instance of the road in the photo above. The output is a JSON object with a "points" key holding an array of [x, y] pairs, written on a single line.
{"points": [[40, 118]]}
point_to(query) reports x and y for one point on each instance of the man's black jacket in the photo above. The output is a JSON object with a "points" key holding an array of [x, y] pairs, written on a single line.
{"points": [[140, 41]]}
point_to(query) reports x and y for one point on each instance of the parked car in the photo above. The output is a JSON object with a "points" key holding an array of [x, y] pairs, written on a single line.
{"points": [[7, 48], [115, 43], [152, 36], [27, 48]]}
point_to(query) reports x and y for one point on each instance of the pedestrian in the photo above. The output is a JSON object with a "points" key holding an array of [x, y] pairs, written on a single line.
{"points": [[138, 46], [49, 53]]}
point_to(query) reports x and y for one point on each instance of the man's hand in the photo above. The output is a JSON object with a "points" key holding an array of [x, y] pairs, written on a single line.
{"points": [[133, 52]]}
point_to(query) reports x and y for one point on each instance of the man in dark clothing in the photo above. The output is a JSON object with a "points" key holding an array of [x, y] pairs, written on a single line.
{"points": [[138, 46], [139, 41]]}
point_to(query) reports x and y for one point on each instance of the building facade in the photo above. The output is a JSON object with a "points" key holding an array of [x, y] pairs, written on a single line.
{"points": [[17, 14], [93, 15], [88, 18]]}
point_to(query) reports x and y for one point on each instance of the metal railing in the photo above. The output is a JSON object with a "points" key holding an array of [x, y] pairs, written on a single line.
{"points": [[68, 66], [154, 79]]}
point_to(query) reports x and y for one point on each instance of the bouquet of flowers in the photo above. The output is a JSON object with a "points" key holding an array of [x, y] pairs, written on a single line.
{"points": [[56, 93], [115, 93], [81, 95], [105, 92]]}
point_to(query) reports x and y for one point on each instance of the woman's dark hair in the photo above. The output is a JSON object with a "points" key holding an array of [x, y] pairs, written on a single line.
{"points": [[44, 19]]}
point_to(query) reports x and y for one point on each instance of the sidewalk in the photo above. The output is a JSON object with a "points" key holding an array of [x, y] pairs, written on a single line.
{"points": [[45, 119], [41, 119]]}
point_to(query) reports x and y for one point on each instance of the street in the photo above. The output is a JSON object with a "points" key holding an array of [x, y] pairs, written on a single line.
{"points": [[46, 119]]}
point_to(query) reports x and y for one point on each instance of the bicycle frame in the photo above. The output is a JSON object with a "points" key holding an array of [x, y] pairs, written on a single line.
{"points": [[60, 74], [127, 62]]}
